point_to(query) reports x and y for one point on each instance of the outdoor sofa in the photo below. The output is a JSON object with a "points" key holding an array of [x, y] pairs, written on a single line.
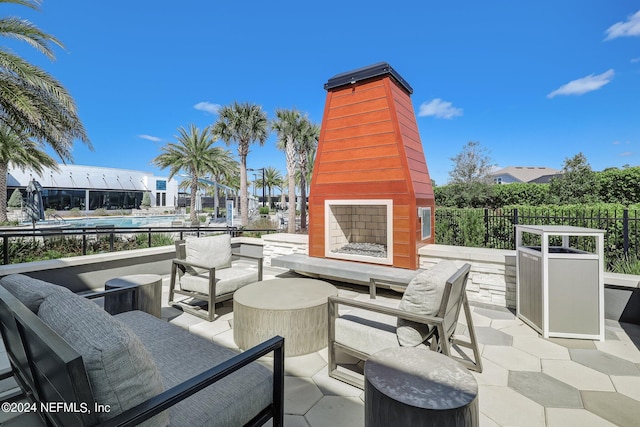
{"points": [[66, 350]]}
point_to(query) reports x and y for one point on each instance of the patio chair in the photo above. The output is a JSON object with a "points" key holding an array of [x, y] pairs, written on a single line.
{"points": [[427, 317], [202, 270]]}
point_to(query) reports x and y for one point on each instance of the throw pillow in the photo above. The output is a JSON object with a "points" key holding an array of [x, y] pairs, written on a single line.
{"points": [[211, 252], [423, 296]]}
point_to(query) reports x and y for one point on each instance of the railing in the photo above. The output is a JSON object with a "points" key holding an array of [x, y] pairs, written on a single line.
{"points": [[494, 228], [85, 233]]}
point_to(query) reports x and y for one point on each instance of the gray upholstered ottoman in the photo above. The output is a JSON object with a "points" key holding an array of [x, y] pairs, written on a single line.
{"points": [[295, 309], [410, 386]]}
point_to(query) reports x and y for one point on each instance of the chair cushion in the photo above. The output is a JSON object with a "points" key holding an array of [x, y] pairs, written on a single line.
{"points": [[31, 292], [179, 355], [121, 372], [211, 252], [423, 296], [228, 280]]}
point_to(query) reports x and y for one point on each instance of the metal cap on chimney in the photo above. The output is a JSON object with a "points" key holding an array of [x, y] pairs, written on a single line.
{"points": [[364, 73]]}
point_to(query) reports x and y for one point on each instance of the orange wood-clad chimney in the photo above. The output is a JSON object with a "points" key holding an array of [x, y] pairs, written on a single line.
{"points": [[370, 148]]}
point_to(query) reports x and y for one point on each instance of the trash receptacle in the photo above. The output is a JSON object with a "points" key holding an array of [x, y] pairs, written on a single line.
{"points": [[560, 288]]}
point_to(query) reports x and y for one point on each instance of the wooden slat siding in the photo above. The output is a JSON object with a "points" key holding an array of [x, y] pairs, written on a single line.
{"points": [[364, 129], [362, 141], [386, 189], [374, 116], [374, 163]]}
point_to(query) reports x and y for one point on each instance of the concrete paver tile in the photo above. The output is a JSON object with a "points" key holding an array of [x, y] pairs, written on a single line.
{"points": [[545, 390], [622, 349], [511, 358], [604, 362], [332, 387], [508, 408], [577, 375], [304, 366], [492, 374], [541, 348], [629, 386], [614, 407], [336, 411], [291, 421], [565, 417], [300, 394]]}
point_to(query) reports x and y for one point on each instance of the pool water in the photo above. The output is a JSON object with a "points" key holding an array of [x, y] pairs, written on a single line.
{"points": [[123, 221]]}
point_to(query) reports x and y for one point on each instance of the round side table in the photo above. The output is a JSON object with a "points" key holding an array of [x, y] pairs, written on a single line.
{"points": [[295, 309], [149, 294], [416, 387]]}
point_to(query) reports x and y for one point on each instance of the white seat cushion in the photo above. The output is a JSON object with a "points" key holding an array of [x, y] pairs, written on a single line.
{"points": [[211, 252]]}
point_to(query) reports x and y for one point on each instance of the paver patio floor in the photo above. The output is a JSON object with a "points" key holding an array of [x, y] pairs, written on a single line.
{"points": [[527, 380]]}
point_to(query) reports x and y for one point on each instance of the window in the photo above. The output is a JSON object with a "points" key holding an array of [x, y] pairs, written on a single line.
{"points": [[161, 185], [425, 222]]}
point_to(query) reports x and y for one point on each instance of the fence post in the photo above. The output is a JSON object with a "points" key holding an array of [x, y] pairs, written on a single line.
{"points": [[84, 241], [5, 248], [111, 242], [512, 244], [486, 227], [625, 232], [149, 238]]}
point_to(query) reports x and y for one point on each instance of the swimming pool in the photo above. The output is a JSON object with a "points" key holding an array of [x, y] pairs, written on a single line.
{"points": [[120, 221]]}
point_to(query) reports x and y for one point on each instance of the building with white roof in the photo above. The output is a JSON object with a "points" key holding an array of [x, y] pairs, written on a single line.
{"points": [[91, 187]]}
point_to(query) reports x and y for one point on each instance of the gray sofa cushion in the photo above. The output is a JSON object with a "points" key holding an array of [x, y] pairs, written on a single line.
{"points": [[423, 296], [121, 371], [179, 355], [211, 252], [31, 292]]}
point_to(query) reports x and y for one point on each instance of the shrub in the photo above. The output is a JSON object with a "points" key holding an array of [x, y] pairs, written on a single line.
{"points": [[74, 212], [263, 210], [626, 265], [15, 201], [101, 212], [146, 200]]}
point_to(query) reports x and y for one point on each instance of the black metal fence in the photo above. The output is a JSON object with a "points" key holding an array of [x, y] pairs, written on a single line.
{"points": [[495, 228], [84, 238]]}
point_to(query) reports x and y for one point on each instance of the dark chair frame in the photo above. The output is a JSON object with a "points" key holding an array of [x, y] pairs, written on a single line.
{"points": [[48, 369], [211, 299], [441, 337]]}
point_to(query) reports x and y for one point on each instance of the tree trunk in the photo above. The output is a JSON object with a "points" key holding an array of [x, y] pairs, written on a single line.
{"points": [[3, 192], [194, 190], [244, 199], [290, 154], [303, 192]]}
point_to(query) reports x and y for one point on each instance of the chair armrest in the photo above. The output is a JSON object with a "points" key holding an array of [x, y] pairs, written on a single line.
{"points": [[168, 398], [383, 283], [191, 264], [249, 256], [395, 312]]}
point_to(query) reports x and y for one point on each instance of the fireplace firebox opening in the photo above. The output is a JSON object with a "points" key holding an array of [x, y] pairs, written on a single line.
{"points": [[359, 230]]}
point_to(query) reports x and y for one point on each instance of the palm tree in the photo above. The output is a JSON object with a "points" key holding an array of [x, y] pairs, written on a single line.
{"points": [[18, 150], [193, 154], [288, 125], [272, 178], [244, 124], [31, 101], [306, 146]]}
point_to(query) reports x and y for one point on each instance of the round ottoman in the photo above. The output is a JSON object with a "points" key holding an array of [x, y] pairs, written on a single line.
{"points": [[295, 309], [410, 386]]}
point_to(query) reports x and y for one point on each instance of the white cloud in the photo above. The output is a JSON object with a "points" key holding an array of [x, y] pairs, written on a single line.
{"points": [[586, 84], [628, 28], [440, 109], [626, 154], [208, 107], [616, 142], [150, 138], [634, 60]]}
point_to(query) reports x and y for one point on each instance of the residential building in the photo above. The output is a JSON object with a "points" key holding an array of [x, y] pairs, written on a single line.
{"points": [[534, 174]]}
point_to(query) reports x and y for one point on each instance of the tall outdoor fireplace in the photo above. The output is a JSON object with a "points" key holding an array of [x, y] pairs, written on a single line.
{"points": [[371, 198]]}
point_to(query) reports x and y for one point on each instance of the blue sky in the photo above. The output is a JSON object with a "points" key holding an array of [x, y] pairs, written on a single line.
{"points": [[533, 82]]}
